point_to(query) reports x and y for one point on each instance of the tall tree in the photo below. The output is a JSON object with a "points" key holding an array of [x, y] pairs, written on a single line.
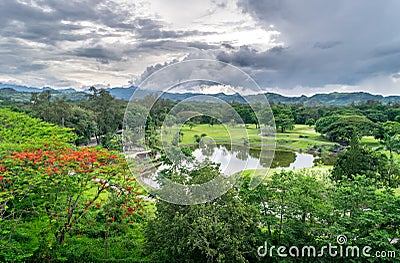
{"points": [[359, 160], [391, 143], [284, 119], [108, 113], [222, 230]]}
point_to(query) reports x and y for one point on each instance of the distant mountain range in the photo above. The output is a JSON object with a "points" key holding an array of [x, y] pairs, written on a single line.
{"points": [[17, 93], [33, 89]]}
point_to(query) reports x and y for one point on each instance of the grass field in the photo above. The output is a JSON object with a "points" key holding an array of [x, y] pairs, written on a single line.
{"points": [[370, 141], [220, 133], [301, 137]]}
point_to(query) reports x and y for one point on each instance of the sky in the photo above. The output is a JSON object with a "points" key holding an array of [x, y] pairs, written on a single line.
{"points": [[291, 47]]}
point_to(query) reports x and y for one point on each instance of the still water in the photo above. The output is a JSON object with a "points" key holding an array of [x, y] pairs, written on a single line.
{"points": [[233, 159]]}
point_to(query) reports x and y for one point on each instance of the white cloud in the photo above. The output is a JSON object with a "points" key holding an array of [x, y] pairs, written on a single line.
{"points": [[297, 47]]}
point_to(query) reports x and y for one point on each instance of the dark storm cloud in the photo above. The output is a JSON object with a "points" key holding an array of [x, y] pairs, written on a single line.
{"points": [[54, 30], [201, 51], [324, 42], [35, 23], [98, 52], [17, 57], [22, 68], [327, 42]]}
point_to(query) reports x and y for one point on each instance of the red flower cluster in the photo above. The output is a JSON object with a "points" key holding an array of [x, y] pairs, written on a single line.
{"points": [[82, 155], [61, 161]]}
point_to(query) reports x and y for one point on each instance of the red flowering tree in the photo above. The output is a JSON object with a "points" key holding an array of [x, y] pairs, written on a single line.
{"points": [[46, 179], [64, 184]]}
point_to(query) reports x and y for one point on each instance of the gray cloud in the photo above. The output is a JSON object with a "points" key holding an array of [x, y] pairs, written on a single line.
{"points": [[150, 29], [98, 52], [324, 42], [151, 69], [396, 76], [107, 33], [327, 42], [34, 23], [48, 26]]}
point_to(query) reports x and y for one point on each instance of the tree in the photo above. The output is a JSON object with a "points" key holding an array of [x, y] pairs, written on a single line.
{"points": [[65, 114], [190, 124], [323, 123], [391, 143], [222, 230], [300, 201], [83, 123], [365, 214], [376, 115], [198, 138], [49, 185], [108, 113], [266, 117], [283, 119], [43, 105], [170, 121], [359, 160], [301, 114], [246, 113], [310, 122], [341, 128]]}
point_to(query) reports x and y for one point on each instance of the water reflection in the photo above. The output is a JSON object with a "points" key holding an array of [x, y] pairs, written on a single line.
{"points": [[234, 158]]}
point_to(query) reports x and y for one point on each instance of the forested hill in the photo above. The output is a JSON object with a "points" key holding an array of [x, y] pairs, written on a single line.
{"points": [[22, 94]]}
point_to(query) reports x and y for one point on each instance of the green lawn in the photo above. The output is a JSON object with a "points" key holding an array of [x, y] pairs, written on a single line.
{"points": [[301, 137], [220, 133], [370, 141], [320, 172]]}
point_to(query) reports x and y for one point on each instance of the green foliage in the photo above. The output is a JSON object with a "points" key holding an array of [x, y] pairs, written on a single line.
{"points": [[376, 115], [323, 123], [107, 112], [294, 207], [310, 122], [69, 115], [266, 117], [284, 119], [391, 142], [51, 191], [246, 113], [198, 138], [51, 209], [190, 124], [112, 141], [224, 230], [341, 128], [367, 216], [303, 114], [20, 132], [359, 160]]}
